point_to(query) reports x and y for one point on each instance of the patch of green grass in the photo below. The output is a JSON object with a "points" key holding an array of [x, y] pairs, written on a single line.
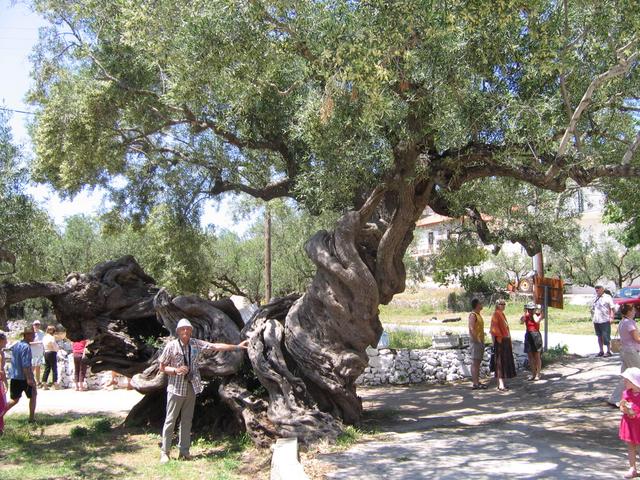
{"points": [[102, 425], [408, 339], [79, 432], [48, 449], [352, 435], [574, 319], [349, 436], [554, 354]]}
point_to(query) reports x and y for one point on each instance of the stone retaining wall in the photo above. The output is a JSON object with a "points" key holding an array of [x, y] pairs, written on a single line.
{"points": [[66, 374], [403, 366]]}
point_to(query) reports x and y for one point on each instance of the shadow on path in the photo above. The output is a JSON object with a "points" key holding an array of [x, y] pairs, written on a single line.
{"points": [[560, 427]]}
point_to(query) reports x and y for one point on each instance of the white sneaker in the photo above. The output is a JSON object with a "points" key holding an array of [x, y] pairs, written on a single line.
{"points": [[164, 458]]}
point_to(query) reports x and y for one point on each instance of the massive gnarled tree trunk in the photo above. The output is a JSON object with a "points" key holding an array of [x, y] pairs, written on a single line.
{"points": [[298, 378]]}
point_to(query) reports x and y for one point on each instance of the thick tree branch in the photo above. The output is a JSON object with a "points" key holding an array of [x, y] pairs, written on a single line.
{"points": [[279, 189], [624, 64], [227, 285], [484, 161], [631, 151], [18, 292]]}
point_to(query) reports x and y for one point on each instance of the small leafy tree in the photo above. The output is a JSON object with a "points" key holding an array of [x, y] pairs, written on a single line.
{"points": [[593, 260], [506, 268], [235, 265], [457, 260], [26, 230]]}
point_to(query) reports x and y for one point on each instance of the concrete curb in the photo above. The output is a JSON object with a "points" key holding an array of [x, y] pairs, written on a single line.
{"points": [[284, 462]]}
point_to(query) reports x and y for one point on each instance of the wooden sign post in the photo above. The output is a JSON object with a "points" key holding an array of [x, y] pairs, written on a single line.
{"points": [[548, 292]]}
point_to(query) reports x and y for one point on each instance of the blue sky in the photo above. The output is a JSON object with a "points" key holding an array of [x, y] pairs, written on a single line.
{"points": [[18, 35]]}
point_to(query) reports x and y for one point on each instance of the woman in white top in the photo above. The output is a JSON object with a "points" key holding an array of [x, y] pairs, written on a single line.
{"points": [[630, 347], [50, 356]]}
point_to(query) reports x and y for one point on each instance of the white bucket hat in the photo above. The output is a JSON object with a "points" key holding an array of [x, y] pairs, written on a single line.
{"points": [[633, 375], [184, 323]]}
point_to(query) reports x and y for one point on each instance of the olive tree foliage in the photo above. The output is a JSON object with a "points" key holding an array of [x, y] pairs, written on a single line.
{"points": [[310, 99], [79, 244], [508, 211], [621, 208], [375, 109], [593, 260], [169, 246], [495, 213], [237, 265], [237, 261], [457, 260], [508, 268], [26, 230]]}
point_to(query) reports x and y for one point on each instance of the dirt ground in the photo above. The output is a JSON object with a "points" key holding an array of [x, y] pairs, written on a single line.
{"points": [[112, 402], [560, 427]]}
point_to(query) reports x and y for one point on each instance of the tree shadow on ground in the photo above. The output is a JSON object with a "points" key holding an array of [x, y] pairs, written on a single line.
{"points": [[583, 383], [560, 427], [88, 456]]}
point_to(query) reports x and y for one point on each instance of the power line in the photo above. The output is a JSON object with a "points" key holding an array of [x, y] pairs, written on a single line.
{"points": [[13, 110], [18, 28]]}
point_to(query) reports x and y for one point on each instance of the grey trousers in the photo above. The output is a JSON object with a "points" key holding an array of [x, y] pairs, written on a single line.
{"points": [[630, 358], [183, 407]]}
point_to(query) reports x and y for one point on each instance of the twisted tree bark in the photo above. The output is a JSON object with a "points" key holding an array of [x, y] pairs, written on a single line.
{"points": [[305, 353]]}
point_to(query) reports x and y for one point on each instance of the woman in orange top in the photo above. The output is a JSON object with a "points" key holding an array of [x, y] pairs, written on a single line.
{"points": [[505, 367]]}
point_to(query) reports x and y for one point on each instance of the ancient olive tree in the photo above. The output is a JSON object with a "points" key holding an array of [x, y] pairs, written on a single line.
{"points": [[375, 108]]}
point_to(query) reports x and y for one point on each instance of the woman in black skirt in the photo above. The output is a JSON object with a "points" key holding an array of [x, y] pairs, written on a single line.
{"points": [[505, 367]]}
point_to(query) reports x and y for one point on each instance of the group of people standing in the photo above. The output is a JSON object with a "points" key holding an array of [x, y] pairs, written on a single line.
{"points": [[502, 362], [626, 395], [36, 348], [44, 350]]}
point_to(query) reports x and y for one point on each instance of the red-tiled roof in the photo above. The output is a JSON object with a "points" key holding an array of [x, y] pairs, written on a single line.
{"points": [[432, 220], [435, 219]]}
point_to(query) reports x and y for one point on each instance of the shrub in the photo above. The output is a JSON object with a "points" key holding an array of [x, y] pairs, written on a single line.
{"points": [[102, 425], [79, 432], [554, 354]]}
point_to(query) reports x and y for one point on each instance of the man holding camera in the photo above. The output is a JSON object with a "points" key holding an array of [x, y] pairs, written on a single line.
{"points": [[179, 361]]}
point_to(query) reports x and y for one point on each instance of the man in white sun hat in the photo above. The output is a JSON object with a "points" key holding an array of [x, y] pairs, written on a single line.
{"points": [[179, 361]]}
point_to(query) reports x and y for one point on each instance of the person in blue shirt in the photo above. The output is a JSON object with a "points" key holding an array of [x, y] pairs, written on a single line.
{"points": [[22, 379]]}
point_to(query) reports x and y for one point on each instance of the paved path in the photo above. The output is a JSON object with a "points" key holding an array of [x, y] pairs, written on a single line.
{"points": [[114, 402], [583, 345], [558, 428]]}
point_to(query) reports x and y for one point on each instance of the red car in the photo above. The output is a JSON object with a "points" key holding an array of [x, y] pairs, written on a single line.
{"points": [[630, 294]]}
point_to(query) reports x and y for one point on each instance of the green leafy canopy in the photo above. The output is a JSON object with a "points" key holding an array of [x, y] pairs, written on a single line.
{"points": [[319, 100]]}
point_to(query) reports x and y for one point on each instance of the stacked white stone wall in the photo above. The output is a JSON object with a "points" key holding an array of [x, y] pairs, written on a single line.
{"points": [[403, 366], [66, 374]]}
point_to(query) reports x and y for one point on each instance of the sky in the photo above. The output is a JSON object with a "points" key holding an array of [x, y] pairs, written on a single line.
{"points": [[18, 35]]}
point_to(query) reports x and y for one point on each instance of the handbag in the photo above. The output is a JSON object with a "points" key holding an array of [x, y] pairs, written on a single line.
{"points": [[492, 360], [616, 344]]}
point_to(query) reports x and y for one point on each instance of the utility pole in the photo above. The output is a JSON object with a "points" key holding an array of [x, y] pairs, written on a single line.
{"points": [[267, 254], [538, 267], [538, 264]]}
